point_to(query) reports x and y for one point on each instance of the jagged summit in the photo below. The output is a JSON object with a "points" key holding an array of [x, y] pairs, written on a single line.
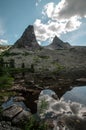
{"points": [[27, 40], [58, 44]]}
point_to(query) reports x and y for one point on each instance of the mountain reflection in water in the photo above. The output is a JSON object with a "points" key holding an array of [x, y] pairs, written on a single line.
{"points": [[68, 112], [77, 94]]}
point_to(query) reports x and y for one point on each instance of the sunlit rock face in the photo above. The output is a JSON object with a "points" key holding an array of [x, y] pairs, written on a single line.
{"points": [[64, 115]]}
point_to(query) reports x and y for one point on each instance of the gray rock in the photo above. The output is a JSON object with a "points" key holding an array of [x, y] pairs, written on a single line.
{"points": [[6, 125], [11, 112], [58, 44], [16, 114], [21, 117], [27, 40], [18, 99]]}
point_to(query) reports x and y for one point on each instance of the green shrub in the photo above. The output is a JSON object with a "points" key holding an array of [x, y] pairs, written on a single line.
{"points": [[7, 53], [32, 124], [43, 105], [6, 81]]}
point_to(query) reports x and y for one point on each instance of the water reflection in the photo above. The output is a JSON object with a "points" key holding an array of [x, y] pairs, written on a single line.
{"points": [[47, 92], [77, 94], [64, 115]]}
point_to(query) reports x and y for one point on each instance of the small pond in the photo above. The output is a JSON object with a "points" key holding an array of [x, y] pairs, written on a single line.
{"points": [[77, 94]]}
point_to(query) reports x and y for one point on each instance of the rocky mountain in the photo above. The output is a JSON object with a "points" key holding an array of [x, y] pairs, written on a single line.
{"points": [[58, 44], [58, 57], [27, 40]]}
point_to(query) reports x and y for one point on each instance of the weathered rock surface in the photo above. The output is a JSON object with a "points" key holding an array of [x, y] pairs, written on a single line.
{"points": [[27, 40], [16, 114], [12, 111], [6, 125], [21, 117], [83, 80], [58, 44]]}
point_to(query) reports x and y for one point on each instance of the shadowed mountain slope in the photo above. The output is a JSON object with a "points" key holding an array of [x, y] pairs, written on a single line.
{"points": [[58, 44], [27, 40]]}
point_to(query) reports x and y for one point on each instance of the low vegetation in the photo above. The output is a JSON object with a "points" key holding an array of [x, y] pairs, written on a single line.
{"points": [[43, 105], [7, 53], [43, 57], [33, 124], [5, 78], [6, 81]]}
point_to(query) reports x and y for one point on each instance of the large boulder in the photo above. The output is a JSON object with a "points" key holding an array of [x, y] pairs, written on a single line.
{"points": [[16, 113]]}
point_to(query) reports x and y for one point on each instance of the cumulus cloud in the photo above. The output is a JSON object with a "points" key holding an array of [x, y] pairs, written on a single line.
{"points": [[48, 9], [66, 9], [61, 18], [71, 8], [3, 42], [47, 31]]}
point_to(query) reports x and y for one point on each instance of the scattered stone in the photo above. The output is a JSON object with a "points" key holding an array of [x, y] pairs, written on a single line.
{"points": [[6, 125], [81, 80], [55, 96], [21, 117], [11, 112], [15, 112], [18, 99]]}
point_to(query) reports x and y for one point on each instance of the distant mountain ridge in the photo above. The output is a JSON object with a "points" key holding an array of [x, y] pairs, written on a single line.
{"points": [[29, 42]]}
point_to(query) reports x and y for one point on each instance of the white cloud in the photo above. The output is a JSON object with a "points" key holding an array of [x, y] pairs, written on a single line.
{"points": [[71, 8], [48, 30], [37, 2], [72, 24], [66, 9], [3, 42], [61, 18], [48, 9]]}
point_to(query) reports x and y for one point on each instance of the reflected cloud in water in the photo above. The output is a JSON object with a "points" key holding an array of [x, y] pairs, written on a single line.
{"points": [[67, 113]]}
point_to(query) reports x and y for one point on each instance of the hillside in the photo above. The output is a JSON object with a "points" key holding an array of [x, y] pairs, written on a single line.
{"points": [[3, 48], [58, 57]]}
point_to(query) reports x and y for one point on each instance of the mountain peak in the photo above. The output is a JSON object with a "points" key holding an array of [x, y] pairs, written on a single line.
{"points": [[27, 40], [58, 44], [56, 39]]}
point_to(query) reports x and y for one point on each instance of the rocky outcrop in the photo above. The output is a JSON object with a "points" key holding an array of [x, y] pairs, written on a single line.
{"points": [[27, 40], [15, 112], [6, 125], [58, 44]]}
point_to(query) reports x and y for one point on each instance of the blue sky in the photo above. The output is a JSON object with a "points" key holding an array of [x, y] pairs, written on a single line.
{"points": [[64, 18]]}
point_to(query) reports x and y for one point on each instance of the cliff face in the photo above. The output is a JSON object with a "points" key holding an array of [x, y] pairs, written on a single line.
{"points": [[27, 40], [58, 44]]}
